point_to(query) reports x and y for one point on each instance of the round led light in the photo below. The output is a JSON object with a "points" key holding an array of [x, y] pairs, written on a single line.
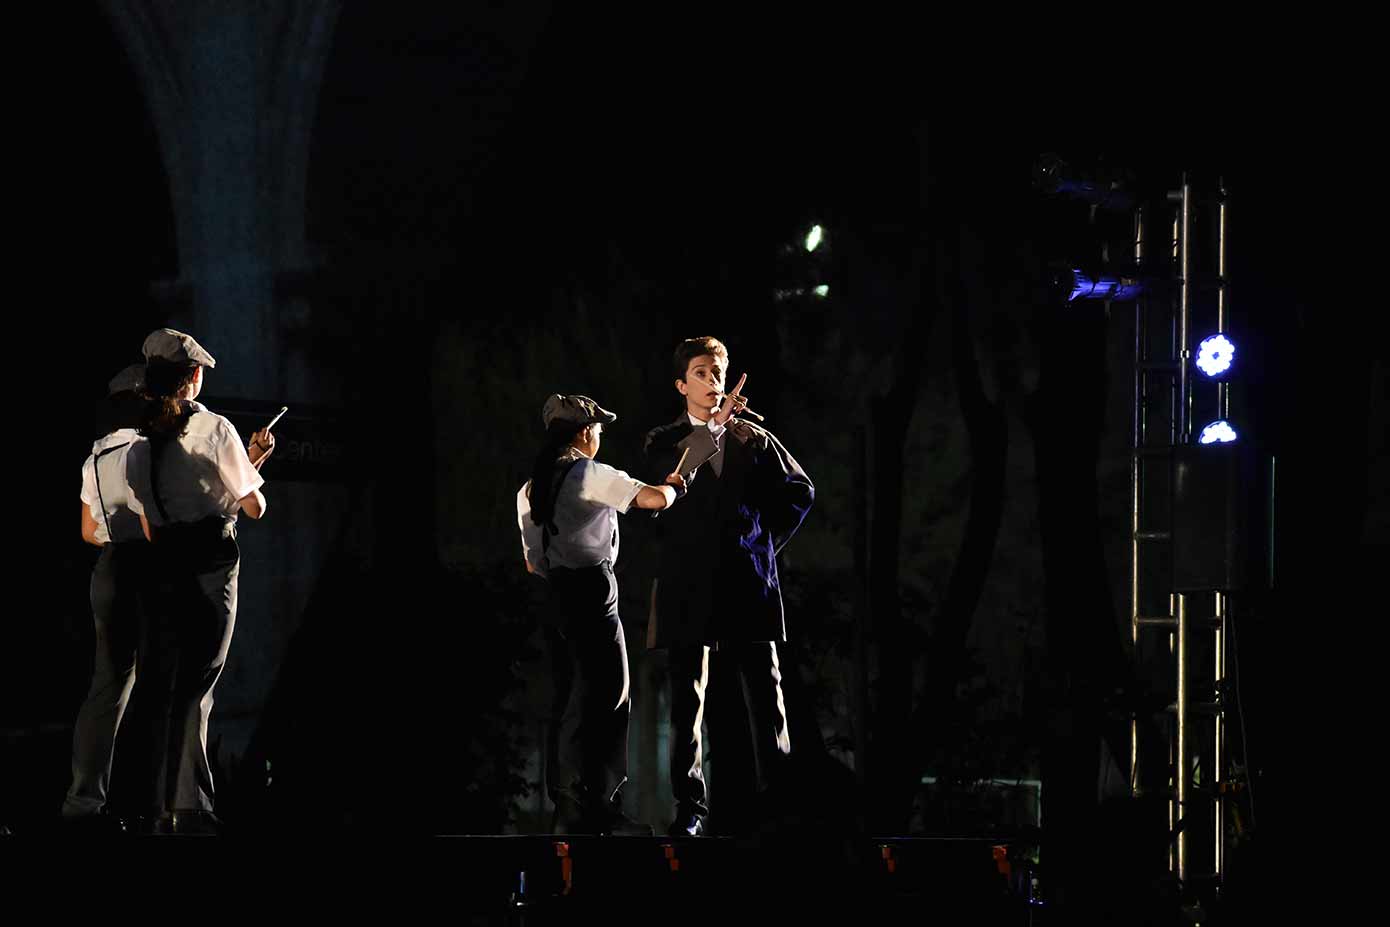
{"points": [[1215, 355], [1219, 432]]}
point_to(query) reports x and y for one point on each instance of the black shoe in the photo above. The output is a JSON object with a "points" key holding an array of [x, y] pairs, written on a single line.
{"points": [[152, 825], [687, 824], [569, 816], [197, 823], [612, 821]]}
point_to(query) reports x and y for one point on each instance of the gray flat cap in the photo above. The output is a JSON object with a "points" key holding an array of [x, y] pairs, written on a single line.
{"points": [[177, 348], [129, 380], [579, 410]]}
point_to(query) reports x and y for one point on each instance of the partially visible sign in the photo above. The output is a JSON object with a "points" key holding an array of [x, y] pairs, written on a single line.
{"points": [[312, 443]]}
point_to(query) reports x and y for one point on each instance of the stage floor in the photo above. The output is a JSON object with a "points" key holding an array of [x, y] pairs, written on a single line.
{"points": [[476, 879]]}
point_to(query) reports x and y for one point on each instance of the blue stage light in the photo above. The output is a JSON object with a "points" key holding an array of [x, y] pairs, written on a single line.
{"points": [[1215, 355], [1219, 432], [1120, 289]]}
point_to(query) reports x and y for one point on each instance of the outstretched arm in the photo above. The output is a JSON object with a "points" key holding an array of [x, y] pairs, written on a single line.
{"points": [[664, 459], [661, 497]]}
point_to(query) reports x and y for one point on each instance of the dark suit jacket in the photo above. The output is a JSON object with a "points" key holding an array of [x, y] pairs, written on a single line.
{"points": [[716, 577]]}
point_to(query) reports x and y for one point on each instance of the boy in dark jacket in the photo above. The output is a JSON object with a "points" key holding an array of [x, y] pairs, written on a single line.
{"points": [[716, 584]]}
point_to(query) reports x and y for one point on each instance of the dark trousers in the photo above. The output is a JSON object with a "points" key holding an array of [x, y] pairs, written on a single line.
{"points": [[115, 590], [185, 635], [587, 748], [748, 721]]}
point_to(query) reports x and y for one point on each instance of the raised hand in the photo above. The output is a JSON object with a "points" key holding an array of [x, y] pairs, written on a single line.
{"points": [[261, 446], [733, 403]]}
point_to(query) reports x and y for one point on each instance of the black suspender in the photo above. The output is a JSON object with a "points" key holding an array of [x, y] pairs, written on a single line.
{"points": [[96, 475], [157, 446], [549, 527]]}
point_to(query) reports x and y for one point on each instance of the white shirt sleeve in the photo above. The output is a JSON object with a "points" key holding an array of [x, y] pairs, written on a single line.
{"points": [[531, 547], [89, 484], [233, 466], [600, 484]]}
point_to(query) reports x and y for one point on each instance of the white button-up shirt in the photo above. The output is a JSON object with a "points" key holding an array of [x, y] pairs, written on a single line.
{"points": [[205, 471], [587, 505], [714, 428], [114, 491]]}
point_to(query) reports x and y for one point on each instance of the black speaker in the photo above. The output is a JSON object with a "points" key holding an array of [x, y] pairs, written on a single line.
{"points": [[1212, 489]]}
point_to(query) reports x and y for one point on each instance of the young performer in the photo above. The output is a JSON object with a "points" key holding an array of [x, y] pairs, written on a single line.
{"points": [[568, 516], [716, 585], [108, 523], [190, 480]]}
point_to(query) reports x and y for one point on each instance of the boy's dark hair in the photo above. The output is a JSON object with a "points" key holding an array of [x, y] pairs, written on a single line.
{"points": [[691, 348]]}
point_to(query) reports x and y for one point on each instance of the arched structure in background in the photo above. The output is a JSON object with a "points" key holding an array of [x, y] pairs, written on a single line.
{"points": [[231, 90]]}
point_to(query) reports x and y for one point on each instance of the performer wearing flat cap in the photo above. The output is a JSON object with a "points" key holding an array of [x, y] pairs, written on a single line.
{"points": [[190, 480], [108, 523], [568, 516]]}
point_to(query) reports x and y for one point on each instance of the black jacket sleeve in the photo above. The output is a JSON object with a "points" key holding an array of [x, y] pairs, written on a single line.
{"points": [[786, 489]]}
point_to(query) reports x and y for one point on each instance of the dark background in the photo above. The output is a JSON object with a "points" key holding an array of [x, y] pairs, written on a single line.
{"points": [[503, 204]]}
